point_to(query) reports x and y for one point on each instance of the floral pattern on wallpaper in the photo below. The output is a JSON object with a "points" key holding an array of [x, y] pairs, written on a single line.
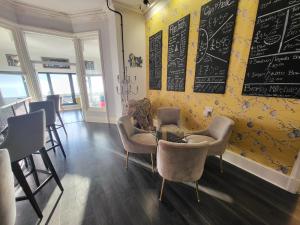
{"points": [[267, 130]]}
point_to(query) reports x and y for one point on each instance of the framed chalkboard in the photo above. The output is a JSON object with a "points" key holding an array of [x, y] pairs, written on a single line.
{"points": [[155, 61], [177, 54], [274, 62], [217, 21]]}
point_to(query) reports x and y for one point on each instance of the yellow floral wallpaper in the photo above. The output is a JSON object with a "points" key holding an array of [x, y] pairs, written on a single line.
{"points": [[267, 129]]}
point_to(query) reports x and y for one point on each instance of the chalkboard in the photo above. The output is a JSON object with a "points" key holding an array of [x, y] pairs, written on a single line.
{"points": [[155, 61], [177, 54], [217, 21], [274, 63]]}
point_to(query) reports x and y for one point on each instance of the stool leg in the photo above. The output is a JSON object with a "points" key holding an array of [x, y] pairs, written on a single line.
{"points": [[35, 175], [51, 138], [23, 183], [62, 123], [58, 140], [51, 167]]}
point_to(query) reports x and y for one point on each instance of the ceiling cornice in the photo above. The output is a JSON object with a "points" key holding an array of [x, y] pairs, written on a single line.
{"points": [[125, 6], [51, 12]]}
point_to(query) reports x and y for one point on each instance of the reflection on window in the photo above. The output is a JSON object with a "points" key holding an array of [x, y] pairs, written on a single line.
{"points": [[63, 84], [95, 91], [13, 86]]}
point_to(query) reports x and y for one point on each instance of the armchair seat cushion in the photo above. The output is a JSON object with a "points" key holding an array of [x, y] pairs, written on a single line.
{"points": [[199, 139], [142, 143], [144, 139]]}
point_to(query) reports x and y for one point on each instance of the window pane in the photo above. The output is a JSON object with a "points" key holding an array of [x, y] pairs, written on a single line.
{"points": [[61, 86], [95, 91], [94, 79], [12, 86], [45, 89]]}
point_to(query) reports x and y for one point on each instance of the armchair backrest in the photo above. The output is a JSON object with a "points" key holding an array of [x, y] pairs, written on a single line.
{"points": [[7, 190], [126, 129], [181, 162], [25, 135], [221, 128], [48, 107], [168, 115]]}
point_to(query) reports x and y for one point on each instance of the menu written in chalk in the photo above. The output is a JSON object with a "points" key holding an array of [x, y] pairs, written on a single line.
{"points": [[177, 54], [155, 61], [216, 30], [273, 67]]}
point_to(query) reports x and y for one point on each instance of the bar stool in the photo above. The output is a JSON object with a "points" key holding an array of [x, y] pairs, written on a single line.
{"points": [[56, 101], [26, 136], [49, 108]]}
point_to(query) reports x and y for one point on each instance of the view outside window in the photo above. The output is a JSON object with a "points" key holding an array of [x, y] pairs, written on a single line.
{"points": [[61, 86], [94, 75], [64, 85], [45, 89], [13, 86]]}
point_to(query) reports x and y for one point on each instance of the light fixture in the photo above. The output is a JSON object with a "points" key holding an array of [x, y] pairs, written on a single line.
{"points": [[146, 2]]}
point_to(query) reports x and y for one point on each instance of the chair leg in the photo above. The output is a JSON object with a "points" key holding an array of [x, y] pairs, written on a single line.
{"points": [[162, 189], [34, 173], [221, 163], [152, 162], [127, 156], [23, 183], [51, 168], [58, 140], [51, 138], [62, 123], [197, 191]]}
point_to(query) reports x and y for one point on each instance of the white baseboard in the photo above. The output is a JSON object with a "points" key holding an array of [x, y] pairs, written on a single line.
{"points": [[288, 183], [99, 119]]}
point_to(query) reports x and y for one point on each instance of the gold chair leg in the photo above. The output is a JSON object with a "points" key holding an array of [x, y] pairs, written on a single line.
{"points": [[127, 156], [152, 162], [162, 189], [221, 163], [197, 191]]}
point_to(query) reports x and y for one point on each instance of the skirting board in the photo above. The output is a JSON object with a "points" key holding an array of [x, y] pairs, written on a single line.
{"points": [[288, 183], [100, 119]]}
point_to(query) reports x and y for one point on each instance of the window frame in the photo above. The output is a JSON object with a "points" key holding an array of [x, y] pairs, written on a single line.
{"points": [[71, 83]]}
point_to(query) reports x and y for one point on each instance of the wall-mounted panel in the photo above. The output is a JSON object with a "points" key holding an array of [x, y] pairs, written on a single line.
{"points": [[155, 61], [273, 67], [177, 54], [216, 29]]}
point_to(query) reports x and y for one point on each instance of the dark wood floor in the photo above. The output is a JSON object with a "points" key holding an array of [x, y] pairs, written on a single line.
{"points": [[98, 190]]}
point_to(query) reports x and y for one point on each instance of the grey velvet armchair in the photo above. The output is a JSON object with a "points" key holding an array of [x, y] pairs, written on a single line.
{"points": [[7, 191], [168, 117], [181, 162], [217, 134], [135, 140]]}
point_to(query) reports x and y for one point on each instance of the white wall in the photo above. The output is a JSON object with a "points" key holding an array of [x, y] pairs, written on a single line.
{"points": [[135, 42]]}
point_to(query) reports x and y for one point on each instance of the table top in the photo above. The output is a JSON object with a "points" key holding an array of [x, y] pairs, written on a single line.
{"points": [[177, 135], [8, 102]]}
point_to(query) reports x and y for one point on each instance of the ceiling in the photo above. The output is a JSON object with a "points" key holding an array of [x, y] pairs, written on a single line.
{"points": [[77, 6]]}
